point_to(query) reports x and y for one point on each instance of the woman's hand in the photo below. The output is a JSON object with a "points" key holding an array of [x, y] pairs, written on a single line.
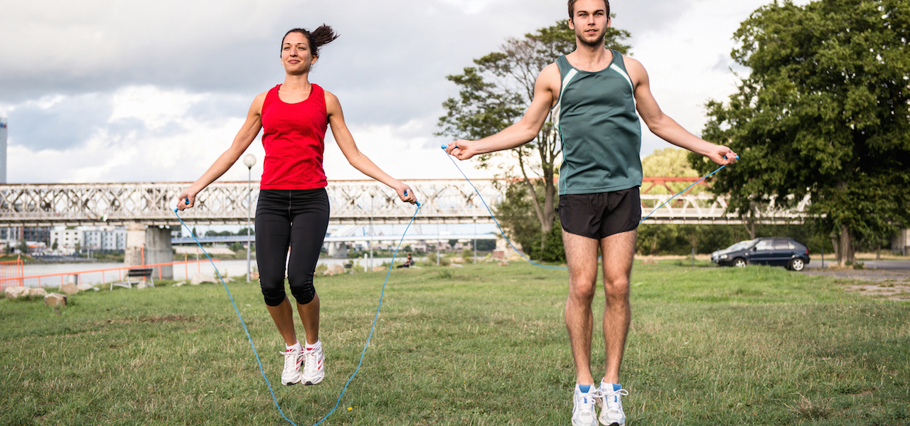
{"points": [[405, 193], [187, 194]]}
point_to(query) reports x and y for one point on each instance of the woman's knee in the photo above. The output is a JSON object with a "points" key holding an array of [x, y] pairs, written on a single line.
{"points": [[272, 290], [302, 288]]}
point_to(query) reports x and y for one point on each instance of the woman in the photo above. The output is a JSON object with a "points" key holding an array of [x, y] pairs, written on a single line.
{"points": [[293, 207]]}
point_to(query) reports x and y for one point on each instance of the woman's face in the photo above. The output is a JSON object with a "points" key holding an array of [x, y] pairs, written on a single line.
{"points": [[296, 56]]}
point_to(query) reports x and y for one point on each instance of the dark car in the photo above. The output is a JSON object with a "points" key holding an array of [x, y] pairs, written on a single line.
{"points": [[784, 252]]}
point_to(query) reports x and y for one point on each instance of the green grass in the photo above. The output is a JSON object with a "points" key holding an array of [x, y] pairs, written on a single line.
{"points": [[478, 345]]}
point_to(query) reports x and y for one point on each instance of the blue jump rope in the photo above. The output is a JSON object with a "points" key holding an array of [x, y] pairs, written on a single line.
{"points": [[245, 330], [388, 273]]}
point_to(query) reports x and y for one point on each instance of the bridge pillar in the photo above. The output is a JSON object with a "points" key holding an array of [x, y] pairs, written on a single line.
{"points": [[152, 242], [338, 249]]}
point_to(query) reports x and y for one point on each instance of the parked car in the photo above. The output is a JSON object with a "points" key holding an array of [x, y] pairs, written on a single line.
{"points": [[785, 252]]}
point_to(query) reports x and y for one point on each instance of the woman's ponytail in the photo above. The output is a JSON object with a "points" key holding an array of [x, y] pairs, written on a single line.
{"points": [[319, 37]]}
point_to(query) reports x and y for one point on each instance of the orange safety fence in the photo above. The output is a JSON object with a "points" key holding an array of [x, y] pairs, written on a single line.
{"points": [[11, 273], [118, 271]]}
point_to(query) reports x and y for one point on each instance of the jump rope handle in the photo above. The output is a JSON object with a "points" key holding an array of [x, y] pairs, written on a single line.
{"points": [[737, 157], [406, 194], [185, 201]]}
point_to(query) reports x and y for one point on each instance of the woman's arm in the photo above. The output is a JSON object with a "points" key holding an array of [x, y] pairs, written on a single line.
{"points": [[357, 159], [242, 141]]}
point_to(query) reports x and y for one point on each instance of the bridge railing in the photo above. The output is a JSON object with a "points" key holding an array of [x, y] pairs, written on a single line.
{"points": [[115, 204], [352, 202]]}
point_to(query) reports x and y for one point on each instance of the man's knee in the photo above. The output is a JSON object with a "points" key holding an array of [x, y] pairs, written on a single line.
{"points": [[616, 289], [582, 292]]}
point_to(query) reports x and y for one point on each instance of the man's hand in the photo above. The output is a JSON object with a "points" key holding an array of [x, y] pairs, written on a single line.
{"points": [[722, 155], [462, 149]]}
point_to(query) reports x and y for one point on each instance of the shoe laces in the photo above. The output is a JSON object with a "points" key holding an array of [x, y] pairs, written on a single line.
{"points": [[587, 401], [290, 361], [611, 399], [310, 360]]}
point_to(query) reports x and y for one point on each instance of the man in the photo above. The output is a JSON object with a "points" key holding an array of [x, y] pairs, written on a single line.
{"points": [[594, 94]]}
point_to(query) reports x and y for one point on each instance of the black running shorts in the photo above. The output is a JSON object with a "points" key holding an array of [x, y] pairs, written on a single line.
{"points": [[600, 215]]}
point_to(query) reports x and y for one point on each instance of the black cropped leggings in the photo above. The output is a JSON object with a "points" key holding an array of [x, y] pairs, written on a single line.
{"points": [[296, 220]]}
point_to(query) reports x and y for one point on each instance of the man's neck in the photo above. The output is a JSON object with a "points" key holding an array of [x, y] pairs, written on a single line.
{"points": [[590, 58]]}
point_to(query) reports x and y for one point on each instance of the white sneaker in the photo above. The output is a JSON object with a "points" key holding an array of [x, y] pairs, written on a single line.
{"points": [[583, 413], [293, 358], [610, 400], [314, 366]]}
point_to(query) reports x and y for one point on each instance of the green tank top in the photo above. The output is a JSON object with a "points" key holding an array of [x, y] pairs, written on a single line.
{"points": [[599, 129]]}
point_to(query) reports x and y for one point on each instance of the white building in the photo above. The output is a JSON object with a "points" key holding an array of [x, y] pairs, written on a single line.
{"points": [[67, 239], [110, 239]]}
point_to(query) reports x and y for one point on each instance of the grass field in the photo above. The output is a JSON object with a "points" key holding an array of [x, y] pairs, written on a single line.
{"points": [[478, 345]]}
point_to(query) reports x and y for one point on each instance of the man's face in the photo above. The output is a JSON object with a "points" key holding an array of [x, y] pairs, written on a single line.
{"points": [[590, 21]]}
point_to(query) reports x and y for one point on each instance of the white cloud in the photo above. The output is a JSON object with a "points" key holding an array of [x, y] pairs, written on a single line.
{"points": [[167, 84], [151, 105]]}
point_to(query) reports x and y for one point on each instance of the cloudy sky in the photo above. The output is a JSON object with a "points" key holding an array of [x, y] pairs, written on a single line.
{"points": [[115, 91]]}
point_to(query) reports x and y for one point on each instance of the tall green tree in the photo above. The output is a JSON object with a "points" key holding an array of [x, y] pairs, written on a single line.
{"points": [[824, 113], [494, 94]]}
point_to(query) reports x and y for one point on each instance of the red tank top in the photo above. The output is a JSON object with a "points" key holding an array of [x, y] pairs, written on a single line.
{"points": [[294, 141]]}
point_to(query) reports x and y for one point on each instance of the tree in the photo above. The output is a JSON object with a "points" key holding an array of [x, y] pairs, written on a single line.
{"points": [[824, 113], [55, 245], [496, 92]]}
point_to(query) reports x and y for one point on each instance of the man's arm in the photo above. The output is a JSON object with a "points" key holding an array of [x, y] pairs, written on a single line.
{"points": [[665, 127], [546, 91]]}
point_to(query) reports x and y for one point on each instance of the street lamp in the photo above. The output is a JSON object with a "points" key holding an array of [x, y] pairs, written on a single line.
{"points": [[249, 161]]}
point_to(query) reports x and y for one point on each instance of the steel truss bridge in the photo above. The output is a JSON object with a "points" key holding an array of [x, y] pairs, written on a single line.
{"points": [[352, 202]]}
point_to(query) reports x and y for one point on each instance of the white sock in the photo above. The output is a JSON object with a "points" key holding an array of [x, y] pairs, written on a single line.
{"points": [[294, 346], [314, 346]]}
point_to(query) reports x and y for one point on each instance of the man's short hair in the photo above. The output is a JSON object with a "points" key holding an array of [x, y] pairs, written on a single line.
{"points": [[572, 8]]}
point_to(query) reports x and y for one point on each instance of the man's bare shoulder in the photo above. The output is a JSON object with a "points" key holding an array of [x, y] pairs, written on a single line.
{"points": [[635, 69], [549, 77]]}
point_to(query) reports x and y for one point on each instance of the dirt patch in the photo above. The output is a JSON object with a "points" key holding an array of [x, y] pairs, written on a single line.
{"points": [[168, 318], [888, 291], [892, 284], [863, 274], [156, 319]]}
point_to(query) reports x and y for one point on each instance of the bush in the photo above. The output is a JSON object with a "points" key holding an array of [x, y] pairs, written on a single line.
{"points": [[468, 255], [552, 251], [431, 260]]}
